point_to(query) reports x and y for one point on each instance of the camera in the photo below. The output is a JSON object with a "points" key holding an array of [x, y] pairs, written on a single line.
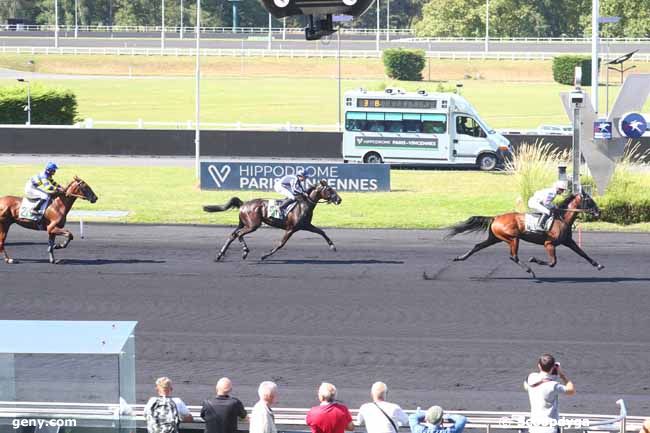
{"points": [[577, 97]]}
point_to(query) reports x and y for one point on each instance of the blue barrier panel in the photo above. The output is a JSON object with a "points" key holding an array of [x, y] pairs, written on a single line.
{"points": [[263, 175]]}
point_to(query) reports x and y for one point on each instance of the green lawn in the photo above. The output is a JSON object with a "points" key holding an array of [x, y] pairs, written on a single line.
{"points": [[419, 199]]}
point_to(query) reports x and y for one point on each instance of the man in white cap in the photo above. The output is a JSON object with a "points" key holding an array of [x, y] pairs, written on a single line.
{"points": [[290, 186], [432, 421], [542, 200]]}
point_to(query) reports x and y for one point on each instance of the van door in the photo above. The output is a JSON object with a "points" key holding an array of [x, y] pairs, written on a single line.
{"points": [[468, 140]]}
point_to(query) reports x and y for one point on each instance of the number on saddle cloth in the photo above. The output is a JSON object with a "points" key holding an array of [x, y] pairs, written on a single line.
{"points": [[532, 223], [274, 209], [26, 208]]}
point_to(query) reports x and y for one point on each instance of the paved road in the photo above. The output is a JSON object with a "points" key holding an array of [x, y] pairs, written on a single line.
{"points": [[465, 338], [348, 42]]}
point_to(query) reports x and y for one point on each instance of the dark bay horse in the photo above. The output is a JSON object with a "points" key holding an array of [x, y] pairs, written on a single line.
{"points": [[53, 220], [511, 227], [255, 212]]}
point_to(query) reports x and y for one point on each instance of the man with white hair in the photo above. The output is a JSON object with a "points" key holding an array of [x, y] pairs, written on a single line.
{"points": [[542, 200], [262, 419], [380, 416], [330, 416], [220, 413]]}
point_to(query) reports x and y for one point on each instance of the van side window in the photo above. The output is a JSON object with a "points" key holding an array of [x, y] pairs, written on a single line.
{"points": [[467, 126]]}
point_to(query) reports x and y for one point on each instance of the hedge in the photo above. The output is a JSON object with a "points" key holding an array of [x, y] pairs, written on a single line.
{"points": [[620, 211], [49, 106], [564, 69], [402, 64]]}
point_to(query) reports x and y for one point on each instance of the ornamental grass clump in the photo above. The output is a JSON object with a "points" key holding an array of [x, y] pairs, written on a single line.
{"points": [[534, 166]]}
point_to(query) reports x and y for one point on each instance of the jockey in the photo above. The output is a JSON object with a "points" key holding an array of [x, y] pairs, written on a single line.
{"points": [[42, 186], [542, 200], [291, 186]]}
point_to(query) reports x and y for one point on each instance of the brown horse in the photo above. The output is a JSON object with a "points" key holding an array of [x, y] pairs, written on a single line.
{"points": [[53, 220], [255, 212], [511, 227]]}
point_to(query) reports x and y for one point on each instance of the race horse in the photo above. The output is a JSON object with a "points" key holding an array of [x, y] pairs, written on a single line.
{"points": [[511, 227], [255, 212], [53, 219]]}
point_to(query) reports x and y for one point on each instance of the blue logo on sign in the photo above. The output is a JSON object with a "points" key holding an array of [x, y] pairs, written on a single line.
{"points": [[264, 175], [633, 125], [603, 130]]}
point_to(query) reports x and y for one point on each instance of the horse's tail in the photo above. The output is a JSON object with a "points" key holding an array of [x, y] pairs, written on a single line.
{"points": [[472, 224], [233, 202]]}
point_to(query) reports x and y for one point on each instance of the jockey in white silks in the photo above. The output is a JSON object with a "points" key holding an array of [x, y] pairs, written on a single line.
{"points": [[290, 186], [542, 200]]}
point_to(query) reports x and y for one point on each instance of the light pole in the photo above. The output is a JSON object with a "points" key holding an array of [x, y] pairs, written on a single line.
{"points": [[594, 54], [181, 19], [338, 61], [197, 132], [377, 3], [162, 31], [387, 20], [76, 20], [28, 108], [487, 25], [270, 32], [56, 23]]}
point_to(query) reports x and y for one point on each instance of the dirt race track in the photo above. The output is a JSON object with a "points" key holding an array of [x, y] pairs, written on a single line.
{"points": [[464, 339]]}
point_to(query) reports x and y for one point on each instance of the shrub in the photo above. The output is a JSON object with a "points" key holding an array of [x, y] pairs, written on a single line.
{"points": [[564, 69], [402, 64], [49, 106], [534, 166]]}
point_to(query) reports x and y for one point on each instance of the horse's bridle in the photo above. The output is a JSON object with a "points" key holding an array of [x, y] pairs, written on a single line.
{"points": [[81, 196]]}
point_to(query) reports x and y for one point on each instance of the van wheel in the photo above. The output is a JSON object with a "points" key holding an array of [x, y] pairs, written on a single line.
{"points": [[372, 158], [487, 162]]}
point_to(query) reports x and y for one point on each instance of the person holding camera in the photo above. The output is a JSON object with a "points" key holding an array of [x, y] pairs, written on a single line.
{"points": [[544, 388], [434, 420]]}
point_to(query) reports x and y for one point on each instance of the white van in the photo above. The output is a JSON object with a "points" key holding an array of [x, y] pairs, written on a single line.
{"points": [[397, 127]]}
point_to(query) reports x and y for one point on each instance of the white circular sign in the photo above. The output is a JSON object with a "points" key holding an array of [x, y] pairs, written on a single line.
{"points": [[349, 2], [281, 3]]}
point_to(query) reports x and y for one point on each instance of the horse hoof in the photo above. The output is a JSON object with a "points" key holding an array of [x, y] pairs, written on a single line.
{"points": [[244, 255], [532, 260], [332, 247], [600, 267], [263, 258], [532, 274], [456, 259], [10, 261]]}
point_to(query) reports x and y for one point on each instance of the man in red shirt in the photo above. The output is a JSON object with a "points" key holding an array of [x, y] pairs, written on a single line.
{"points": [[330, 416]]}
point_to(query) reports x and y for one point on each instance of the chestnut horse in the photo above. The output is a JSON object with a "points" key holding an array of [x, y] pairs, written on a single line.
{"points": [[53, 220], [511, 227], [255, 212]]}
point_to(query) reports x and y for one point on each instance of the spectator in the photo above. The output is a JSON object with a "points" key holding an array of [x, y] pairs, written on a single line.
{"points": [[381, 416], [544, 389], [220, 413], [432, 421], [330, 416], [262, 419], [164, 413]]}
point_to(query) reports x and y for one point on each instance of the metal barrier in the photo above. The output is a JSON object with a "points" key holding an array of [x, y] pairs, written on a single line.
{"points": [[96, 415], [291, 53]]}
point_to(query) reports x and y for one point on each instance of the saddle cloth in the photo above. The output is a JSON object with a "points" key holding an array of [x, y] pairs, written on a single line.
{"points": [[532, 220], [26, 207], [274, 209]]}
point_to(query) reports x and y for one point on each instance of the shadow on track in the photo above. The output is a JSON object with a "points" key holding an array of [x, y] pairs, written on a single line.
{"points": [[332, 262], [95, 262], [570, 279]]}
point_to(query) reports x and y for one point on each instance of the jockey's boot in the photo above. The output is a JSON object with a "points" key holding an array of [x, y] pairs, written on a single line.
{"points": [[542, 222], [283, 206], [37, 209]]}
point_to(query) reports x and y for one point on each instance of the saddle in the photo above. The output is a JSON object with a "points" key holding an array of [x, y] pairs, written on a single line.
{"points": [[275, 212], [27, 206], [532, 223]]}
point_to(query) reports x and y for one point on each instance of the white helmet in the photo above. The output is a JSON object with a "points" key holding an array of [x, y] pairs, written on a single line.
{"points": [[561, 184]]}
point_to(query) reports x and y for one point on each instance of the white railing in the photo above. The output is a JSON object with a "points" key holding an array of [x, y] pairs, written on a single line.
{"points": [[177, 29], [295, 417], [181, 125], [287, 52]]}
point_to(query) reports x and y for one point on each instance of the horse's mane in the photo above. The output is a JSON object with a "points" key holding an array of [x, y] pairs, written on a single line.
{"points": [[567, 200]]}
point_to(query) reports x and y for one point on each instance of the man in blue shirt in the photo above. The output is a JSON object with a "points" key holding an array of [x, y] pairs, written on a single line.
{"points": [[431, 421]]}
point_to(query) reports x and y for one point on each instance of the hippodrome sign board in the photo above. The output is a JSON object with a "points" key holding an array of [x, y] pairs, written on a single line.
{"points": [[263, 175]]}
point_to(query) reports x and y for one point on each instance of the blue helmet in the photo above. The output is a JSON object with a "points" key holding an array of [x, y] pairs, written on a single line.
{"points": [[301, 172], [51, 167]]}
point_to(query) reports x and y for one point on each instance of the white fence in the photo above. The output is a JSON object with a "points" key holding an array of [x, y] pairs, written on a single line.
{"points": [[291, 53]]}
